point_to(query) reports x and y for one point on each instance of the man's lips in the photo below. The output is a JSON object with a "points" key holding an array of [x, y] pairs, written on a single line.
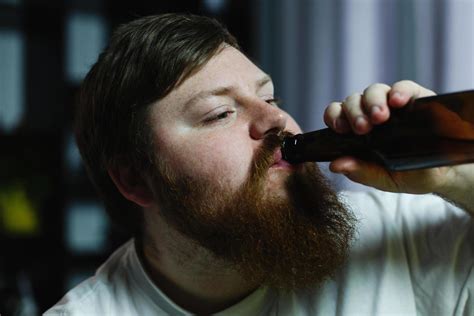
{"points": [[279, 162]]}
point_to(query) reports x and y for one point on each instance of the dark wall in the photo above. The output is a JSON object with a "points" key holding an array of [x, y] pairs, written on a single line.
{"points": [[46, 200]]}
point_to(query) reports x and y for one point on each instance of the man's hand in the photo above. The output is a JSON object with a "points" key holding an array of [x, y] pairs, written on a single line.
{"points": [[360, 112]]}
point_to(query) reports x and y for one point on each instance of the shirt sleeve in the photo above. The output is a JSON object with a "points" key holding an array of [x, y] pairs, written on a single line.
{"points": [[437, 241]]}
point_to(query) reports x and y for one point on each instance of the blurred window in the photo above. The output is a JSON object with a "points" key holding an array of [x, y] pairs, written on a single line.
{"points": [[86, 227], [85, 38], [11, 79]]}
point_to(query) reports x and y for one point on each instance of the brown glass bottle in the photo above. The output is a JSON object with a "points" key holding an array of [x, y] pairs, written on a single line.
{"points": [[429, 132]]}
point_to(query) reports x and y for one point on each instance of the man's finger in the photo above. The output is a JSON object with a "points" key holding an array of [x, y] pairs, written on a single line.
{"points": [[335, 118], [364, 172], [375, 103], [404, 91], [352, 107]]}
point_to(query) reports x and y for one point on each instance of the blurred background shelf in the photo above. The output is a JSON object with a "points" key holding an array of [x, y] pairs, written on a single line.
{"points": [[53, 229]]}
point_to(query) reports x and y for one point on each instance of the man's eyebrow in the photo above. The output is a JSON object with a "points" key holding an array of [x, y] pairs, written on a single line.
{"points": [[221, 91], [263, 81], [203, 95]]}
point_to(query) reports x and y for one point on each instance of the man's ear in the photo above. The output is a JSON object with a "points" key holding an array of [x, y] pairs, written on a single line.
{"points": [[132, 185]]}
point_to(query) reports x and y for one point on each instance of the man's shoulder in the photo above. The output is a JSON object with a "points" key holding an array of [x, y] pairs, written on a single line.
{"points": [[391, 203], [88, 298], [366, 202], [94, 295], [398, 216]]}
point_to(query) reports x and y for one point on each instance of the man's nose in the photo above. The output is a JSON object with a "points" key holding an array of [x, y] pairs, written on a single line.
{"points": [[266, 118]]}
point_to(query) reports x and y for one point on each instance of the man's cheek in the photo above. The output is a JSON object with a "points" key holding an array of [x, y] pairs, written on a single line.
{"points": [[214, 166], [228, 174]]}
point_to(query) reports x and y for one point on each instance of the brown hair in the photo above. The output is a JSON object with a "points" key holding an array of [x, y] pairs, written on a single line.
{"points": [[143, 62]]}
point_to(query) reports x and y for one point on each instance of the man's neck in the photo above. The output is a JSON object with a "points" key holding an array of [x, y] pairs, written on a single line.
{"points": [[188, 274]]}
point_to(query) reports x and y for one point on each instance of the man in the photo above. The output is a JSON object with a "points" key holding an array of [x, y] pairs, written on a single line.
{"points": [[180, 133]]}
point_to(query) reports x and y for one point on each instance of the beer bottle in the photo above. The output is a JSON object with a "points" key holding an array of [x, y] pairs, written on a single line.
{"points": [[429, 132]]}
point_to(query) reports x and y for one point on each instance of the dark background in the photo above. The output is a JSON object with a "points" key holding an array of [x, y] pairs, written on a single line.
{"points": [[53, 230]]}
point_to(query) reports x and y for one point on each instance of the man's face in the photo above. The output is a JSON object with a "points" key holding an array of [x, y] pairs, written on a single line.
{"points": [[221, 182], [211, 126]]}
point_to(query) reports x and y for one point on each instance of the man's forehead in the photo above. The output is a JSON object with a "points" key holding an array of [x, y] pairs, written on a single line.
{"points": [[226, 70]]}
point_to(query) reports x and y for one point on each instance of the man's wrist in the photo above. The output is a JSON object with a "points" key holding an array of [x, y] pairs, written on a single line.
{"points": [[459, 191]]}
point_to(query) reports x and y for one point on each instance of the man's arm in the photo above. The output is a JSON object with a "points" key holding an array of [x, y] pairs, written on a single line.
{"points": [[360, 112], [460, 190]]}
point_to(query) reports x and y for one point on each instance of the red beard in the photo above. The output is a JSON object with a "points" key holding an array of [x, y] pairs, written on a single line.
{"points": [[286, 242]]}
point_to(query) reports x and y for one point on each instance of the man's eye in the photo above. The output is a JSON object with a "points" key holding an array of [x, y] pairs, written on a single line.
{"points": [[220, 116], [274, 101]]}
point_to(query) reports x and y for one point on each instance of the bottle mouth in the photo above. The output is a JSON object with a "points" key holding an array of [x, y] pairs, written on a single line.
{"points": [[288, 149]]}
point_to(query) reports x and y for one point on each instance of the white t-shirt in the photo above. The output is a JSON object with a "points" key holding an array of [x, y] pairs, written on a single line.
{"points": [[414, 255]]}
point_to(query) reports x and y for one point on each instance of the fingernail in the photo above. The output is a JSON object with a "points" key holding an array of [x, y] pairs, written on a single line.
{"points": [[360, 122], [375, 109], [397, 95]]}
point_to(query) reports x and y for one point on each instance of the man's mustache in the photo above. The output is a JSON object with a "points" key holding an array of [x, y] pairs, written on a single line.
{"points": [[264, 157]]}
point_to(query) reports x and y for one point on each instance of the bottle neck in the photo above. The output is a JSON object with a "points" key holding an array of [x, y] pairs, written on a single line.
{"points": [[322, 145]]}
